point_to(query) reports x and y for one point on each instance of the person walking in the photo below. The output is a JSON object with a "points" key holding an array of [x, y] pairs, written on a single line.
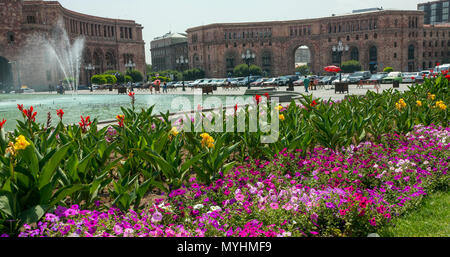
{"points": [[165, 87], [306, 84]]}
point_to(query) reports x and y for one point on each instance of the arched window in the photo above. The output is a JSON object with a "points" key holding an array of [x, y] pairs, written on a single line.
{"points": [[410, 52], [354, 54], [373, 54]]}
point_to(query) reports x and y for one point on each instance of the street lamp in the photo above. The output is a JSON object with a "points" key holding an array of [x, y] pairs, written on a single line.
{"points": [[130, 65], [247, 57], [181, 61], [340, 49], [89, 68]]}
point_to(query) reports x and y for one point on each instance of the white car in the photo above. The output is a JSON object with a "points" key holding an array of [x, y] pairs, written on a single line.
{"points": [[344, 79], [408, 77]]}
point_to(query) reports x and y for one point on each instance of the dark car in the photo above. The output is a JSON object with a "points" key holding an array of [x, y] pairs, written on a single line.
{"points": [[377, 77], [327, 80], [358, 76]]}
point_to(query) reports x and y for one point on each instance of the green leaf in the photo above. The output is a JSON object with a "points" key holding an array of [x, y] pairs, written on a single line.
{"points": [[64, 192], [6, 203], [50, 167], [32, 215]]}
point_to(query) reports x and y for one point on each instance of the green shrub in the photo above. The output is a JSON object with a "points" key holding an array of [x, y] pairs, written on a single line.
{"points": [[388, 69], [110, 79], [350, 66], [99, 79], [135, 75]]}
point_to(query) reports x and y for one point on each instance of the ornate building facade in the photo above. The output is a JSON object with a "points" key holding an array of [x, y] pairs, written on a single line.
{"points": [[169, 52], [109, 43], [377, 39]]}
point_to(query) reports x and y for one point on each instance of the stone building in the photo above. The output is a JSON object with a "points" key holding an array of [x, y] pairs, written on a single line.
{"points": [[109, 43], [435, 12], [166, 50], [376, 38]]}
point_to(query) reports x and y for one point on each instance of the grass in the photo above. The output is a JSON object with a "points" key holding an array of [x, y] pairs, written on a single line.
{"points": [[431, 219]]}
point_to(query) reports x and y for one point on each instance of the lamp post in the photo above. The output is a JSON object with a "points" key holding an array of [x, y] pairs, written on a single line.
{"points": [[248, 57], [181, 61], [130, 65], [339, 49], [89, 68]]}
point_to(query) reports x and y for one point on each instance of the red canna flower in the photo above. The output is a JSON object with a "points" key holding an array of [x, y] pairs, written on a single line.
{"points": [[413, 78], [20, 107], [258, 99], [447, 77], [131, 94], [266, 95], [2, 123], [121, 119], [60, 113], [85, 122], [437, 64], [235, 108], [314, 103], [29, 114]]}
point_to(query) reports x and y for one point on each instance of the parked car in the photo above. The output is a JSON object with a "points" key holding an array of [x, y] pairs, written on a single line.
{"points": [[441, 68], [392, 76], [271, 82], [219, 82], [258, 82], [356, 77], [196, 83], [408, 77], [206, 82], [283, 81], [344, 79], [425, 73], [327, 80], [378, 77]]}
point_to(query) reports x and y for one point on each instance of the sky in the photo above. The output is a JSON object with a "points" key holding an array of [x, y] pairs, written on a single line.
{"points": [[160, 17]]}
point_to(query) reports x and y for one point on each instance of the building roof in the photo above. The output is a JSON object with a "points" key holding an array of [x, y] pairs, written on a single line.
{"points": [[171, 35]]}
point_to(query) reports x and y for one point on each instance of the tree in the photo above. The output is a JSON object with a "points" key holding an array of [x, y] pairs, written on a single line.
{"points": [[303, 70], [128, 78], [242, 70], [110, 79], [98, 79], [193, 74], [135, 75], [350, 66], [388, 69], [119, 75]]}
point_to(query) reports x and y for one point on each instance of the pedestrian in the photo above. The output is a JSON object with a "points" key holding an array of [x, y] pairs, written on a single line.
{"points": [[151, 88], [165, 87], [306, 84]]}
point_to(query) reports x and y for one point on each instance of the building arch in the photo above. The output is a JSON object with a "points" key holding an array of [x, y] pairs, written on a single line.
{"points": [[98, 61], [373, 58], [231, 60], [266, 62], [292, 48], [6, 75], [110, 60], [354, 53]]}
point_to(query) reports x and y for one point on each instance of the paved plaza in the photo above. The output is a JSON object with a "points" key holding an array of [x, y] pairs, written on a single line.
{"points": [[324, 93]]}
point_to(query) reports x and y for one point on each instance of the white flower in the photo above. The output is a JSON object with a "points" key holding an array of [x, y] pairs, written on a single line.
{"points": [[198, 206], [216, 208]]}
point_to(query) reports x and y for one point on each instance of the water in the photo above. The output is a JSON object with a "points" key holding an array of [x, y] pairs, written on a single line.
{"points": [[67, 55], [102, 107]]}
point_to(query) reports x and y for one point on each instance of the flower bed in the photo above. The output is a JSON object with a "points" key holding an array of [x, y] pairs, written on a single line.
{"points": [[352, 191]]}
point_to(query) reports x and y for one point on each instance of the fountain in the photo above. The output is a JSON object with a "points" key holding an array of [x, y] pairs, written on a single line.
{"points": [[68, 55]]}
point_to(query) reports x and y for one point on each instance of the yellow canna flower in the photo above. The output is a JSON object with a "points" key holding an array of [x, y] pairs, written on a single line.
{"points": [[174, 131], [431, 96], [207, 140], [120, 117], [400, 105], [281, 117], [419, 103], [279, 108], [21, 143], [441, 105]]}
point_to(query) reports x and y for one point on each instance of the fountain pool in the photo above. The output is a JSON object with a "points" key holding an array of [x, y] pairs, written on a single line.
{"points": [[102, 107]]}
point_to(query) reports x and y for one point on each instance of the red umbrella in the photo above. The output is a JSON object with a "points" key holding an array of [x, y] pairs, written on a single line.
{"points": [[157, 82], [332, 68]]}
